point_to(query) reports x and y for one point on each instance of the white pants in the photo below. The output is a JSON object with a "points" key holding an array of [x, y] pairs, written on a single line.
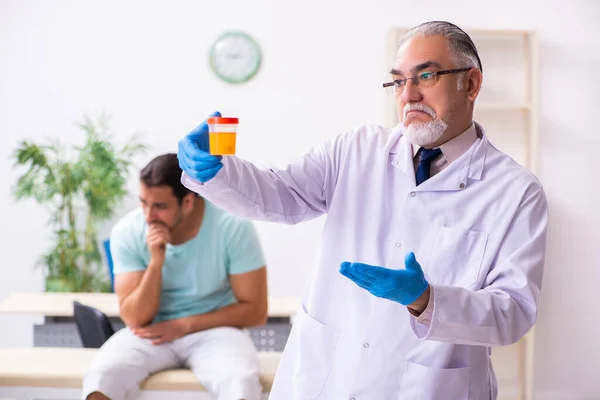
{"points": [[224, 360]]}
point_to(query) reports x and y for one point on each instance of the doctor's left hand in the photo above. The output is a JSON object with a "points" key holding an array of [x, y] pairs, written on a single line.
{"points": [[163, 332], [400, 285]]}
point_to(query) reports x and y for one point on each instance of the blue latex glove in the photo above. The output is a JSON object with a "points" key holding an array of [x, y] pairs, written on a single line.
{"points": [[193, 154], [403, 286]]}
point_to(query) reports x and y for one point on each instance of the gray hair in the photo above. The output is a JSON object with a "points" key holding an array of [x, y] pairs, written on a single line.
{"points": [[462, 48]]}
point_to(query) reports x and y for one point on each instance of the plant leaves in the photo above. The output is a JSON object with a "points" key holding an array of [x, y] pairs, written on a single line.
{"points": [[79, 192]]}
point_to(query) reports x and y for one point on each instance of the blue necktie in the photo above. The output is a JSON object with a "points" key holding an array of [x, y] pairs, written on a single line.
{"points": [[424, 167]]}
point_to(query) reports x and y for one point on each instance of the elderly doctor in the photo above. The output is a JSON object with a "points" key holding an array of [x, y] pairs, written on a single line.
{"points": [[433, 248]]}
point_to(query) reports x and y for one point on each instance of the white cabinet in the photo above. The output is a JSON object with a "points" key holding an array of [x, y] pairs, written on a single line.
{"points": [[507, 107]]}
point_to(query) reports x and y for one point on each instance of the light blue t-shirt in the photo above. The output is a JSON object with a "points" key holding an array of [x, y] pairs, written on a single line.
{"points": [[195, 273]]}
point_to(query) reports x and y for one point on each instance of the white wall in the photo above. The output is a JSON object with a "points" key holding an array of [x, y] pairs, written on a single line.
{"points": [[146, 64]]}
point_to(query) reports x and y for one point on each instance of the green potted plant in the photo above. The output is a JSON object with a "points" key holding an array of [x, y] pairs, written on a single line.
{"points": [[81, 186]]}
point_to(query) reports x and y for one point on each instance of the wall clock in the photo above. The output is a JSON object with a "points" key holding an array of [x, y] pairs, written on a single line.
{"points": [[235, 57]]}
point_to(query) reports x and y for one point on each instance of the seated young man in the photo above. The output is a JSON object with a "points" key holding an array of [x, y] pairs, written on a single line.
{"points": [[188, 276]]}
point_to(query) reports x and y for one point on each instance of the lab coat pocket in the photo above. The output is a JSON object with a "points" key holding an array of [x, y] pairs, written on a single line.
{"points": [[316, 344], [456, 257], [424, 383]]}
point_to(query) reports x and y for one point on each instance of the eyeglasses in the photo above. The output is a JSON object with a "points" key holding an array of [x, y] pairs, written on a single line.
{"points": [[425, 79]]}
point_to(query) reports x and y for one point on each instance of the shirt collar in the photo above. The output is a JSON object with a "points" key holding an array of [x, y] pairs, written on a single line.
{"points": [[469, 165], [455, 147]]}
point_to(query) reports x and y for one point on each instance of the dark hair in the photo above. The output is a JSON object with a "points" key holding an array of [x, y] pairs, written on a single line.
{"points": [[164, 171]]}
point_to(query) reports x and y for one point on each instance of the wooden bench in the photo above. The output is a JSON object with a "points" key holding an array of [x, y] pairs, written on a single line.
{"points": [[57, 373]]}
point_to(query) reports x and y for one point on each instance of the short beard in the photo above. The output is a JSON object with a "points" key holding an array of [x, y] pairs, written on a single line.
{"points": [[178, 220], [174, 225], [423, 133]]}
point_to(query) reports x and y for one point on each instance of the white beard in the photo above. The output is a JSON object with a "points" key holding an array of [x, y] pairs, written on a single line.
{"points": [[425, 133]]}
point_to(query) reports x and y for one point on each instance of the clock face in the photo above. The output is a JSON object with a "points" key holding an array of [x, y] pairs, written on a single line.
{"points": [[235, 57]]}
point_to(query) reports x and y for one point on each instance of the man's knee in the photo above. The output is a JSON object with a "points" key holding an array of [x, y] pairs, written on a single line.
{"points": [[116, 383], [115, 371], [237, 386]]}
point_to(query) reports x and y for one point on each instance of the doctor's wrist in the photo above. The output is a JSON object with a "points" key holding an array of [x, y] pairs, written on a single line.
{"points": [[420, 304]]}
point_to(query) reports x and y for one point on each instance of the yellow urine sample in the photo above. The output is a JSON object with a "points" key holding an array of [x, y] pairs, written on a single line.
{"points": [[222, 143]]}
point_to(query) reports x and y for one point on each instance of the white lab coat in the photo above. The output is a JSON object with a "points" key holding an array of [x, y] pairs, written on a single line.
{"points": [[478, 228]]}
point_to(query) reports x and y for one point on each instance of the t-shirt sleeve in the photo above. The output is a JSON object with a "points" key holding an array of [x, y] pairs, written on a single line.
{"points": [[244, 252], [124, 251]]}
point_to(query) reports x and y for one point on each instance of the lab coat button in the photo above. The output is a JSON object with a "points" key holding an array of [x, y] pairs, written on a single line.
{"points": [[395, 162], [397, 244], [462, 186], [413, 194], [366, 345]]}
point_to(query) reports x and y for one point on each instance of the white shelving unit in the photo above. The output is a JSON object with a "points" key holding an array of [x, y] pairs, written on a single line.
{"points": [[507, 108]]}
